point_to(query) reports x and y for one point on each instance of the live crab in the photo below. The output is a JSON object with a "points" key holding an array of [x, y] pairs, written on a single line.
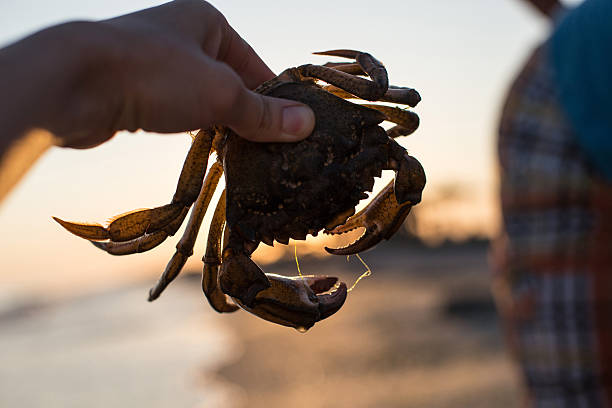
{"points": [[277, 192]]}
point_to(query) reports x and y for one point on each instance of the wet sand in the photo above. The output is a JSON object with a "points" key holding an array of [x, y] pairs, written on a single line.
{"points": [[420, 332], [114, 349]]}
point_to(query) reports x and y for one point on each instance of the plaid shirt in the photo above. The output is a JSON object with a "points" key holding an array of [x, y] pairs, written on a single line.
{"points": [[553, 263]]}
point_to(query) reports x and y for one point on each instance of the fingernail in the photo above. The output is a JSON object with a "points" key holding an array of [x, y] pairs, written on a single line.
{"points": [[298, 122]]}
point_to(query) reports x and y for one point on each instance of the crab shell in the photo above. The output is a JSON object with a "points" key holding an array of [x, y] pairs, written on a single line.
{"points": [[277, 191]]}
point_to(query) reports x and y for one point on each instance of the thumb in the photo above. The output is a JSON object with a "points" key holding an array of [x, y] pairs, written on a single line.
{"points": [[262, 118]]}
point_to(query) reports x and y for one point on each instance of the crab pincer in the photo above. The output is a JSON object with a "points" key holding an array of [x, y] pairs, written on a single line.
{"points": [[298, 301], [385, 214]]}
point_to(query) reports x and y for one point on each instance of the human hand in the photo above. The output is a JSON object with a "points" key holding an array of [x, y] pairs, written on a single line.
{"points": [[172, 68]]}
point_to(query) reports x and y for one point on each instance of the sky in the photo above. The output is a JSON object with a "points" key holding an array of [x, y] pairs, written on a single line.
{"points": [[460, 55]]}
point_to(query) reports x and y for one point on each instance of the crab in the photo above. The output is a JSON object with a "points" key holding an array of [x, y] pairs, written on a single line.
{"points": [[282, 191]]}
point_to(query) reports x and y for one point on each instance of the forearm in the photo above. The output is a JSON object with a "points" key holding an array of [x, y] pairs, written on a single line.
{"points": [[23, 97], [38, 76], [171, 68], [42, 78]]}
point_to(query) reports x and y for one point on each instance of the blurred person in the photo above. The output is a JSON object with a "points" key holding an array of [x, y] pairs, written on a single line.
{"points": [[167, 69], [553, 263]]}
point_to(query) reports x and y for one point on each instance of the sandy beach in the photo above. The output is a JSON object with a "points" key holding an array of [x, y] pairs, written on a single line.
{"points": [[420, 332], [114, 349]]}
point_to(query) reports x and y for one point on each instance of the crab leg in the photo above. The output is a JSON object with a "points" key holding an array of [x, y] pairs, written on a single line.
{"points": [[145, 242], [351, 68], [397, 131], [339, 92], [384, 215], [366, 65], [135, 224], [363, 88], [184, 248], [240, 277], [407, 121], [212, 261], [405, 118], [404, 96]]}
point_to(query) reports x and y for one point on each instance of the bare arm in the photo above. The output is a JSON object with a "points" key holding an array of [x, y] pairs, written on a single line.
{"points": [[172, 68]]}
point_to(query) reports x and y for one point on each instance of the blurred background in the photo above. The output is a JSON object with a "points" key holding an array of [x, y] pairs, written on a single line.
{"points": [[75, 328]]}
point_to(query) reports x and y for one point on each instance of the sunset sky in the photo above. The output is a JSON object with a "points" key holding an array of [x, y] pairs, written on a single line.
{"points": [[460, 55]]}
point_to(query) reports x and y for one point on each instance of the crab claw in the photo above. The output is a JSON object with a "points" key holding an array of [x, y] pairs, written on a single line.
{"points": [[381, 219], [388, 210], [297, 302]]}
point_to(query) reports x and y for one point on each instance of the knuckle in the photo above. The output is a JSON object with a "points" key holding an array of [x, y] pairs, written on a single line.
{"points": [[199, 7], [261, 123], [229, 96], [265, 113], [242, 65]]}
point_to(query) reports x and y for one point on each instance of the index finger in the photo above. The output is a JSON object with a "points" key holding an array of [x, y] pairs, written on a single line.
{"points": [[239, 55], [202, 22]]}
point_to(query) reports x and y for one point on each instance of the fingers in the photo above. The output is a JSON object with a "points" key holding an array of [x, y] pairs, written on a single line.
{"points": [[266, 119], [84, 139], [256, 117], [253, 116], [192, 70], [239, 55], [201, 22]]}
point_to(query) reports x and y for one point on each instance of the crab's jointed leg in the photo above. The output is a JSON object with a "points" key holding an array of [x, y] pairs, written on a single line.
{"points": [[397, 131], [346, 85], [408, 120], [405, 96], [349, 68], [240, 277], [363, 88], [184, 248], [145, 242], [212, 260], [137, 229]]}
